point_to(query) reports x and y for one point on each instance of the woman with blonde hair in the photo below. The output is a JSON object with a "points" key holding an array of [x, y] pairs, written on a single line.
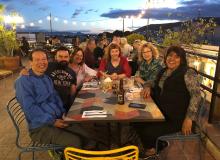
{"points": [[113, 64], [150, 65], [135, 56], [126, 48]]}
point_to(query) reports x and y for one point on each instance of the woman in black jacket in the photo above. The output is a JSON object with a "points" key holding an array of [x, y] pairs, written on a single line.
{"points": [[176, 91]]}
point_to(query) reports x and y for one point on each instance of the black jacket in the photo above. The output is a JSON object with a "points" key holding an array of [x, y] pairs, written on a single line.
{"points": [[174, 99]]}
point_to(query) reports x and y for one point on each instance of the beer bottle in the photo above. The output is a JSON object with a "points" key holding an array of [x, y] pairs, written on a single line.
{"points": [[121, 92]]}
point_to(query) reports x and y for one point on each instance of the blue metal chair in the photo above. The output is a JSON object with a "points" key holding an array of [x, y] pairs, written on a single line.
{"points": [[18, 118], [194, 136]]}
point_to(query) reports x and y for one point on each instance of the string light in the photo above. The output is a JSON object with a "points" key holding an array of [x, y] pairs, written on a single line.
{"points": [[139, 16], [31, 24], [83, 23], [22, 26], [92, 23], [142, 12], [74, 23]]}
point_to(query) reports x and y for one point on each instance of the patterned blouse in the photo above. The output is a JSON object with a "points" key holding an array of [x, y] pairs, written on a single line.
{"points": [[148, 72], [193, 86]]}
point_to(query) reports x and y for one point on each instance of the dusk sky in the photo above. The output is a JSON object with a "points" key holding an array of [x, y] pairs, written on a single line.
{"points": [[104, 15]]}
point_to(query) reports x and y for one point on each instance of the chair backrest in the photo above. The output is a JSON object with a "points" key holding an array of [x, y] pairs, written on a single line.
{"points": [[17, 116], [125, 153]]}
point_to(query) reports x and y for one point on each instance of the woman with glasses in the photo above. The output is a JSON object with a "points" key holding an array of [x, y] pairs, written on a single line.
{"points": [[150, 65]]}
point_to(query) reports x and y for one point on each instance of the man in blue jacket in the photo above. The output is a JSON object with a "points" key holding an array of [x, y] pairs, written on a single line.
{"points": [[43, 107]]}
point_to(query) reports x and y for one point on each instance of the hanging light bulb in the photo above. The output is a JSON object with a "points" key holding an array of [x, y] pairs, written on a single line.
{"points": [[84, 23], [31, 24], [22, 26], [139, 16], [92, 23]]}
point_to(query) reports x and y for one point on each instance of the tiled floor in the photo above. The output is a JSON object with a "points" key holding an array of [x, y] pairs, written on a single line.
{"points": [[8, 150], [186, 150]]}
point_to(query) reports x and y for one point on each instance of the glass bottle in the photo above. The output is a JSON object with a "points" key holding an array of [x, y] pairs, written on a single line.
{"points": [[120, 96]]}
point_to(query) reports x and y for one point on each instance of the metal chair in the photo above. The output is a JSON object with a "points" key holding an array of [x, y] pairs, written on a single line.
{"points": [[194, 136], [18, 118], [125, 153]]}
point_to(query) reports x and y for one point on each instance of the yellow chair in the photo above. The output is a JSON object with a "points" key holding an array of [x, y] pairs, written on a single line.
{"points": [[125, 153]]}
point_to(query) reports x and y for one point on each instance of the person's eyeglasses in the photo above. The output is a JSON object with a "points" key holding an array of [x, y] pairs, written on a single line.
{"points": [[147, 51]]}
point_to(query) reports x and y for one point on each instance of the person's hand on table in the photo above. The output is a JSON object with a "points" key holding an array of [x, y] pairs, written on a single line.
{"points": [[60, 123], [146, 92], [103, 74], [139, 79], [87, 78], [114, 76], [187, 126]]}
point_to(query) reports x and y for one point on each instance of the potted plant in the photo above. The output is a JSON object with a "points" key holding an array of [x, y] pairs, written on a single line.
{"points": [[8, 44]]}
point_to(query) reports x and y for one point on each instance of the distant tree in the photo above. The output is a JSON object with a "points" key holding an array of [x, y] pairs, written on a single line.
{"points": [[134, 36], [118, 33], [127, 33], [191, 32]]}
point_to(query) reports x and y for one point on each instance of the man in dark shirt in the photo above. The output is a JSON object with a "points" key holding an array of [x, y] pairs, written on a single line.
{"points": [[63, 77]]}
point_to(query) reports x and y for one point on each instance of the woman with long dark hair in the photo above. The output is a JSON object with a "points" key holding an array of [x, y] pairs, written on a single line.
{"points": [[83, 72]]}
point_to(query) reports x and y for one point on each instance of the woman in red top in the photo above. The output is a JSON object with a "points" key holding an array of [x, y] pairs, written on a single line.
{"points": [[114, 65]]}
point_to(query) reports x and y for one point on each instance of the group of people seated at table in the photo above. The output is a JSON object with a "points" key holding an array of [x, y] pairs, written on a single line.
{"points": [[47, 90]]}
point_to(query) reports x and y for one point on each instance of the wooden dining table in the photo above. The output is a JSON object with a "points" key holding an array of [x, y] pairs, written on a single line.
{"points": [[91, 99], [97, 99]]}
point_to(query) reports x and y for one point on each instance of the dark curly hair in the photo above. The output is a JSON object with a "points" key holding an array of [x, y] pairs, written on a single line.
{"points": [[180, 52]]}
